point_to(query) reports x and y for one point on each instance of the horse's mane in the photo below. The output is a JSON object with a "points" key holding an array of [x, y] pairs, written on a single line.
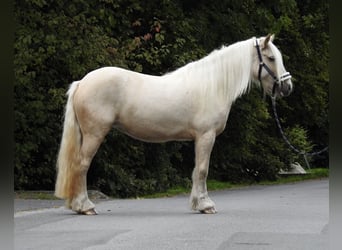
{"points": [[223, 75]]}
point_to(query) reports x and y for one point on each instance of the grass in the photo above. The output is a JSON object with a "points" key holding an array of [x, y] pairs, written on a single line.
{"points": [[49, 195], [316, 173], [36, 195], [212, 185]]}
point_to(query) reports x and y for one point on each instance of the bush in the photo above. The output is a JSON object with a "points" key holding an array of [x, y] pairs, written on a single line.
{"points": [[57, 42]]}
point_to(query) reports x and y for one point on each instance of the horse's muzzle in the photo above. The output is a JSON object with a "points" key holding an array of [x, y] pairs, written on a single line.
{"points": [[285, 86]]}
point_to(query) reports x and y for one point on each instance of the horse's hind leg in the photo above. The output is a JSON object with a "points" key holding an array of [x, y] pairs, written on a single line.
{"points": [[80, 202]]}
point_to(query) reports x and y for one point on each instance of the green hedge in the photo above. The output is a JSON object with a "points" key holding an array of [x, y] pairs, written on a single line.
{"points": [[57, 42]]}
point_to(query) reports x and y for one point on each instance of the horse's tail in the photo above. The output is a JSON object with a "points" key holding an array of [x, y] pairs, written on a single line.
{"points": [[68, 155]]}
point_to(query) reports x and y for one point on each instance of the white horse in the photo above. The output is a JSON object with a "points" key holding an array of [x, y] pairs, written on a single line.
{"points": [[191, 103]]}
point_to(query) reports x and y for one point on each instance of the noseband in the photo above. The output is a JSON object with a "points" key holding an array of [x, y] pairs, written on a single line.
{"points": [[285, 76]]}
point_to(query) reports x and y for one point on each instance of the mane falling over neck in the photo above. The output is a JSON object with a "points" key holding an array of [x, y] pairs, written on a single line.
{"points": [[222, 76]]}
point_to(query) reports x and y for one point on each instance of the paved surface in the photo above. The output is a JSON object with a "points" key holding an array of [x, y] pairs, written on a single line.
{"points": [[292, 216], [34, 204]]}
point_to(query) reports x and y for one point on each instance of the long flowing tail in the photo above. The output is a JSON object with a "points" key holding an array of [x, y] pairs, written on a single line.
{"points": [[69, 149]]}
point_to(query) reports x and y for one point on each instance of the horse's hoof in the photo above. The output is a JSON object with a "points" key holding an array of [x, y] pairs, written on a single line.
{"points": [[209, 210], [88, 212]]}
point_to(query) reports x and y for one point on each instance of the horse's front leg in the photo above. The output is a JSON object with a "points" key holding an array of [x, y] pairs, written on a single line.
{"points": [[199, 198]]}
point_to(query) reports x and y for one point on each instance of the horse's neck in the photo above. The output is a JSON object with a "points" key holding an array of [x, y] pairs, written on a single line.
{"points": [[217, 80], [223, 75]]}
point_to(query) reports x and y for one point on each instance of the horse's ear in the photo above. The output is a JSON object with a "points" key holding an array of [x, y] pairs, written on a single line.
{"points": [[269, 37]]}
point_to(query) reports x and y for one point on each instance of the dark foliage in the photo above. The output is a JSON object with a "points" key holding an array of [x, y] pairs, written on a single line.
{"points": [[57, 42]]}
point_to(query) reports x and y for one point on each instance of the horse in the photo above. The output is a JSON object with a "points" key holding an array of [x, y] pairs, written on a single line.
{"points": [[191, 103]]}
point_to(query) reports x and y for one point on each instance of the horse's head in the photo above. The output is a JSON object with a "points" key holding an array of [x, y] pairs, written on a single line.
{"points": [[269, 69]]}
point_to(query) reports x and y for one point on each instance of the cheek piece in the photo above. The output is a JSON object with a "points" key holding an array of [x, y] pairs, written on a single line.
{"points": [[277, 81]]}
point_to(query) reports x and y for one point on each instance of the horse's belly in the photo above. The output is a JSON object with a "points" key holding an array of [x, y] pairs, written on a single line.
{"points": [[149, 131], [154, 134]]}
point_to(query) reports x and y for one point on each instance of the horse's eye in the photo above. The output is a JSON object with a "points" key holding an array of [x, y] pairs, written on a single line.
{"points": [[271, 58]]}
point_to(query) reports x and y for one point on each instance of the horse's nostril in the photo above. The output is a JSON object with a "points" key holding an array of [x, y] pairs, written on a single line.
{"points": [[286, 89]]}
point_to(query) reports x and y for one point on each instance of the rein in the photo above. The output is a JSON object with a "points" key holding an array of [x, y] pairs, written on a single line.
{"points": [[300, 152], [285, 76]]}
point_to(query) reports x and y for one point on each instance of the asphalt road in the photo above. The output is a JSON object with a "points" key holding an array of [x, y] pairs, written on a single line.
{"points": [[291, 216]]}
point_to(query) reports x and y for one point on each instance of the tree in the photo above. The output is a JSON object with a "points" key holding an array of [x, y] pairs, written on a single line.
{"points": [[57, 42]]}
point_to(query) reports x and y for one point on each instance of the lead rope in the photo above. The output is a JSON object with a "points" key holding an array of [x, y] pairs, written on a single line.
{"points": [[305, 154]]}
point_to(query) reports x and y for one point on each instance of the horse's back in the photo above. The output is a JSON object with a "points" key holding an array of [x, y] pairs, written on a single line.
{"points": [[110, 77], [149, 108]]}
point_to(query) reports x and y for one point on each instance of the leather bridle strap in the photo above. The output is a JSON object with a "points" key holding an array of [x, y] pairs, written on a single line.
{"points": [[262, 65]]}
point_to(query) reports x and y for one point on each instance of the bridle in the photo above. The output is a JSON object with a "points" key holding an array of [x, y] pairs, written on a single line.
{"points": [[285, 76]]}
